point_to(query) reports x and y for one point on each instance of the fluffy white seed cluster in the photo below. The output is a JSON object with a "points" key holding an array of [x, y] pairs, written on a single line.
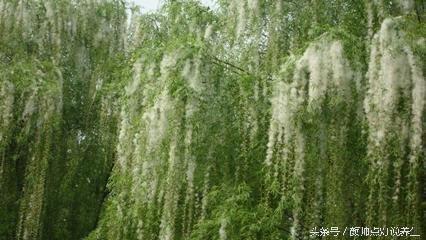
{"points": [[394, 107], [406, 5], [222, 229], [322, 70], [7, 98], [191, 72], [167, 226], [167, 64], [142, 142], [157, 119], [208, 32], [136, 80], [44, 105], [245, 11], [123, 142], [323, 67], [387, 77]]}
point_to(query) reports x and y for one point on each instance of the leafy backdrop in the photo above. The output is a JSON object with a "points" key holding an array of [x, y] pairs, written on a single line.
{"points": [[260, 119]]}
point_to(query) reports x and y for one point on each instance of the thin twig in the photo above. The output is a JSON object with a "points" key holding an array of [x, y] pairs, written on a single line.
{"points": [[233, 70], [229, 64]]}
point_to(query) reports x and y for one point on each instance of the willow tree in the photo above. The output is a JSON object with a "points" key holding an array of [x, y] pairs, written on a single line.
{"points": [[255, 120], [58, 60], [314, 165]]}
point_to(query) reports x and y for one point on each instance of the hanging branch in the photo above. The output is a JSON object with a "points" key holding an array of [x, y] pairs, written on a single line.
{"points": [[229, 64], [218, 62], [232, 69]]}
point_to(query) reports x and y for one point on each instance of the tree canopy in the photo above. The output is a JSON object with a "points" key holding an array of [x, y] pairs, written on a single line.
{"points": [[259, 119]]}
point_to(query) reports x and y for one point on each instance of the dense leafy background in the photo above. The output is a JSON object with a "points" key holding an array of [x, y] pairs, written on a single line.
{"points": [[260, 119]]}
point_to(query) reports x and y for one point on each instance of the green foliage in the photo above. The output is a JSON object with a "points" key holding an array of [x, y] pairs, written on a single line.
{"points": [[256, 120]]}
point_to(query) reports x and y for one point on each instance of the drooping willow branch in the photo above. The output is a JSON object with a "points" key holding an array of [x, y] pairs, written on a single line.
{"points": [[234, 68]]}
